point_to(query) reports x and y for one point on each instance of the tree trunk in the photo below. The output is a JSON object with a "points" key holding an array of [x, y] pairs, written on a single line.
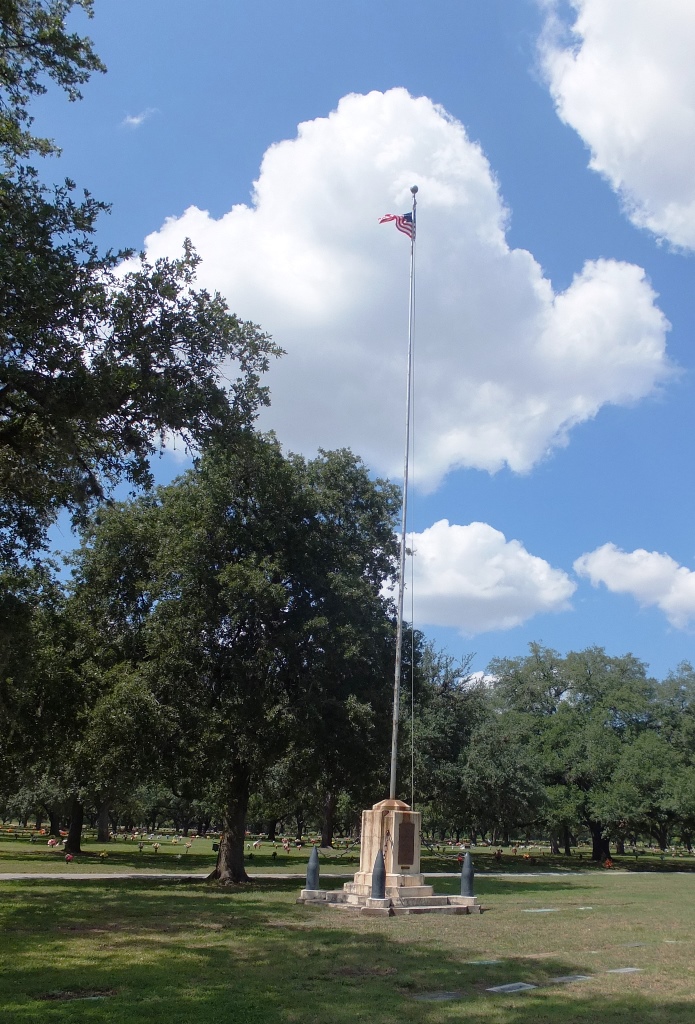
{"points": [[230, 857], [54, 821], [38, 823], [75, 829], [661, 834], [272, 829], [600, 846], [555, 846], [103, 830], [299, 817], [620, 847], [328, 820], [567, 841]]}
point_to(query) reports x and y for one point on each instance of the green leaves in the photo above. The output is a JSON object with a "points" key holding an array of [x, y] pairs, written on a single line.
{"points": [[247, 596], [100, 362], [35, 45]]}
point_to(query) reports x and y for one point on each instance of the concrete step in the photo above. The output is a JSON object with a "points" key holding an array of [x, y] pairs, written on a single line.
{"points": [[421, 901], [438, 909]]}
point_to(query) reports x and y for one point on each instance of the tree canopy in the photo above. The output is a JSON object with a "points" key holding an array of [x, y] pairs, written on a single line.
{"points": [[35, 45], [249, 596], [102, 356]]}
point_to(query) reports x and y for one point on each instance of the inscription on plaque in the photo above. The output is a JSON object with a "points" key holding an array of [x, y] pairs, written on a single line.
{"points": [[406, 844]]}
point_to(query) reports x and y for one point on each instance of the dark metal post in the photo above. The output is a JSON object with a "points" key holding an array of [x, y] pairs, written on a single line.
{"points": [[467, 876], [379, 878], [312, 870]]}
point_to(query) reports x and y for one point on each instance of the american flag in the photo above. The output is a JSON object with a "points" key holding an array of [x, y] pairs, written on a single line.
{"points": [[404, 222]]}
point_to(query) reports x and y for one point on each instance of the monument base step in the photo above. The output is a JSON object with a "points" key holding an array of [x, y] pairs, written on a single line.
{"points": [[437, 908], [430, 904]]}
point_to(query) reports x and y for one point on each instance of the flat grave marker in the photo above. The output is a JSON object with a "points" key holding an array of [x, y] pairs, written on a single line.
{"points": [[515, 986], [567, 979], [437, 997]]}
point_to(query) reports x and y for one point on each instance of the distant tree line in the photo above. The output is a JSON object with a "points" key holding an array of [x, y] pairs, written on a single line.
{"points": [[201, 671], [581, 747]]}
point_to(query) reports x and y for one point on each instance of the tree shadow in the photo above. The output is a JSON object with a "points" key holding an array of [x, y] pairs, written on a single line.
{"points": [[529, 886], [246, 955]]}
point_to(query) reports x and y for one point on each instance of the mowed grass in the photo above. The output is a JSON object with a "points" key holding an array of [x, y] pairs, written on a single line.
{"points": [[21, 855], [127, 950], [18, 855]]}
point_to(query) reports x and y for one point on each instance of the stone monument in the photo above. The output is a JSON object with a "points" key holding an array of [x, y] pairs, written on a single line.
{"points": [[390, 837]]}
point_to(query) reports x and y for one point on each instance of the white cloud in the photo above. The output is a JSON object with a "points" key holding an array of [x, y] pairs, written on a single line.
{"points": [[137, 120], [484, 678], [505, 367], [472, 578], [623, 76], [650, 577]]}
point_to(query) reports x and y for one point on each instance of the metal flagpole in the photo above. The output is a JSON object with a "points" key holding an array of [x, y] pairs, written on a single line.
{"points": [[404, 513]]}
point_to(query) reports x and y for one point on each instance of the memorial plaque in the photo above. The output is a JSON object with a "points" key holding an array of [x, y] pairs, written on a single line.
{"points": [[406, 844]]}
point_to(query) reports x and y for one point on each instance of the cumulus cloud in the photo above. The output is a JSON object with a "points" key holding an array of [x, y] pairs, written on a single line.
{"points": [[652, 578], [505, 367], [623, 76], [137, 120], [473, 578]]}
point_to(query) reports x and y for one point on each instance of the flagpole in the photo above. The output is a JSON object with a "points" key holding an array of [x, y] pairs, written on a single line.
{"points": [[404, 513]]}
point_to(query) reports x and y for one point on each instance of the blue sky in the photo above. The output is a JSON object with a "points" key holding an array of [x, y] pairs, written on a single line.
{"points": [[552, 144]]}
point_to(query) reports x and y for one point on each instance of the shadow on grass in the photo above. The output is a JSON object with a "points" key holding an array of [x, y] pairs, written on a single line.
{"points": [[119, 857], [214, 955], [485, 862], [484, 885], [527, 886]]}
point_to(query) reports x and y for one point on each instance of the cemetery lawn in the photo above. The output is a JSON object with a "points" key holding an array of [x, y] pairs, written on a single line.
{"points": [[117, 951], [21, 854]]}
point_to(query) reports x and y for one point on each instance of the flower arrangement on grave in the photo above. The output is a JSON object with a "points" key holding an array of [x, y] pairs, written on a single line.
{"points": [[103, 855], [188, 846], [52, 842], [68, 858], [155, 847]]}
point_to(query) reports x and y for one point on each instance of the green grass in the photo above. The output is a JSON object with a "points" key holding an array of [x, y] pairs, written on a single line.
{"points": [[21, 855], [204, 954]]}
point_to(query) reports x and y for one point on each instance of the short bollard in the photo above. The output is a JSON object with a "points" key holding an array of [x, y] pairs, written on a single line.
{"points": [[379, 878], [467, 876], [312, 870]]}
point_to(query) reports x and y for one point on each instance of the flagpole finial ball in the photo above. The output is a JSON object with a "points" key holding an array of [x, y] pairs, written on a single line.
{"points": [[414, 189]]}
